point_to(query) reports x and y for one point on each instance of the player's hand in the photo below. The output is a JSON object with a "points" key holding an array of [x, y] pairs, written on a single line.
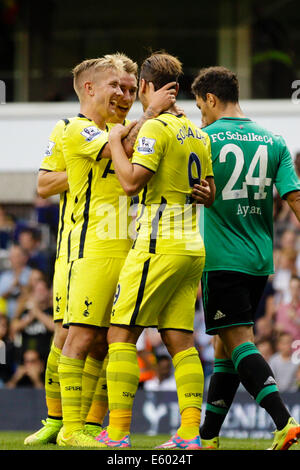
{"points": [[201, 192], [162, 99], [118, 131]]}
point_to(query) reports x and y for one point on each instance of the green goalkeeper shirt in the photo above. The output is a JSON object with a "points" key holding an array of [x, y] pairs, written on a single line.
{"points": [[248, 161]]}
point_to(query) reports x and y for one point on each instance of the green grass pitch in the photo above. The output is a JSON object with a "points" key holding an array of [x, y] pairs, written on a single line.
{"points": [[13, 440]]}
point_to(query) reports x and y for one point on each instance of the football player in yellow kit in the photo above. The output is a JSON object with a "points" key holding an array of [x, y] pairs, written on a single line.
{"points": [[159, 280], [53, 179], [95, 257]]}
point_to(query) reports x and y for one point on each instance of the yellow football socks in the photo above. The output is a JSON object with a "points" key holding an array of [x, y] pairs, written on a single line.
{"points": [[190, 422], [70, 376], [122, 381], [190, 383], [99, 406], [91, 372], [119, 424], [52, 385]]}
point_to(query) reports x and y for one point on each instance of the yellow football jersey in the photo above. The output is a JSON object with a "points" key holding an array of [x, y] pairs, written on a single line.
{"points": [[179, 155], [54, 161], [100, 217]]}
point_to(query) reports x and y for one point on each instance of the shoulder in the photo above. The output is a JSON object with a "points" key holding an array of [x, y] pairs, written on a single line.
{"points": [[211, 128], [154, 125], [82, 130], [60, 125], [269, 136], [152, 133], [76, 124], [57, 132]]}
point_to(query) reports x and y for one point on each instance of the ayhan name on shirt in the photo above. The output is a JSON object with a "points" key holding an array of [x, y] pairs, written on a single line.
{"points": [[246, 210]]}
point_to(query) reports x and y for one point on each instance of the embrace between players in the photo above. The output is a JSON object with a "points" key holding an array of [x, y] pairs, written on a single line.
{"points": [[106, 290]]}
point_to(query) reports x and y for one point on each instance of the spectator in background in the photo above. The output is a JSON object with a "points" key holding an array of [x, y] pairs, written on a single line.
{"points": [[47, 213], [285, 268], [7, 225], [35, 324], [13, 279], [7, 354], [164, 379], [287, 316], [30, 373], [284, 369], [266, 348], [266, 306], [30, 239], [23, 301], [264, 329]]}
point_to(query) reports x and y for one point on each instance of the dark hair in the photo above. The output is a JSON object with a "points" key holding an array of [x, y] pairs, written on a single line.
{"points": [[34, 232], [219, 81], [161, 68]]}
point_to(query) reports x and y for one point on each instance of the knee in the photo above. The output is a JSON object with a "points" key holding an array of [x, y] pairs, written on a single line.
{"points": [[80, 340], [60, 335], [123, 334], [99, 347], [177, 341]]}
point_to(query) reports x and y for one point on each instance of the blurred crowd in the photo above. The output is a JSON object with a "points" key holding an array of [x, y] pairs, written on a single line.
{"points": [[27, 256]]}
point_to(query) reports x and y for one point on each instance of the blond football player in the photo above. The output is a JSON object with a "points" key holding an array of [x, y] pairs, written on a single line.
{"points": [[159, 280]]}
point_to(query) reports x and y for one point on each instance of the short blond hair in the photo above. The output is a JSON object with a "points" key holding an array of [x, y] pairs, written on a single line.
{"points": [[89, 67], [129, 65]]}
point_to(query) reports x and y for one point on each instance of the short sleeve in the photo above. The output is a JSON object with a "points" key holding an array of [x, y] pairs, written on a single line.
{"points": [[150, 145], [286, 179], [209, 167], [53, 158]]}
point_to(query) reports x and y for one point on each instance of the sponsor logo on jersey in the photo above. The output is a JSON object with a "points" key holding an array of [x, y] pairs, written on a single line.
{"points": [[128, 394], [246, 137], [193, 394]]}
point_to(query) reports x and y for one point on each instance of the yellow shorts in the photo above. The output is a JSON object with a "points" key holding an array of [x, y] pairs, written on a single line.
{"points": [[91, 287], [157, 290], [60, 280]]}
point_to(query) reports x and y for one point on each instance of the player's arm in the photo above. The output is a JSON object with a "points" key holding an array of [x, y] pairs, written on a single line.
{"points": [[287, 181], [132, 178], [293, 200], [51, 182], [205, 192], [160, 101], [52, 177]]}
